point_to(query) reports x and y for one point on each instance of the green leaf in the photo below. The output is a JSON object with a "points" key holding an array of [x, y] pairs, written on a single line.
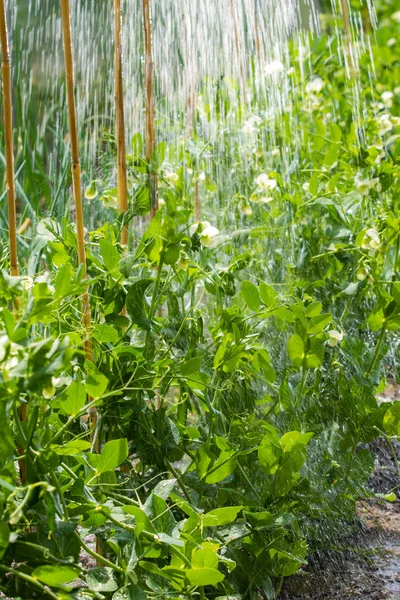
{"points": [[270, 452], [251, 295], [114, 453], [110, 256], [203, 577], [55, 575], [396, 291], [391, 420], [136, 304], [205, 558], [130, 592], [221, 516], [296, 350], [96, 384], [101, 580], [62, 283], [105, 334], [222, 468], [268, 295], [72, 448], [318, 323], [73, 398]]}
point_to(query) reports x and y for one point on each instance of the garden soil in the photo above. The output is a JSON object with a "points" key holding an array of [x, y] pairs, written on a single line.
{"points": [[366, 566]]}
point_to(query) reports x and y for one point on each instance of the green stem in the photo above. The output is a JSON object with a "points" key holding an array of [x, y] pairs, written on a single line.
{"points": [[181, 484], [376, 352], [30, 580], [99, 559]]}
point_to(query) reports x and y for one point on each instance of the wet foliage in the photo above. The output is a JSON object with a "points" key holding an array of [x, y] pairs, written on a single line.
{"points": [[237, 356]]}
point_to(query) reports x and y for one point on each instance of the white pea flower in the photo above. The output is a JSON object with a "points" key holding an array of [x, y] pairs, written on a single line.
{"points": [[315, 85], [385, 124], [109, 200], [206, 231], [387, 99], [27, 283], [207, 236], [373, 238], [263, 181], [274, 67], [252, 124], [247, 210], [49, 392], [396, 16], [363, 186], [275, 152], [361, 274], [335, 337], [171, 176], [260, 199], [183, 263]]}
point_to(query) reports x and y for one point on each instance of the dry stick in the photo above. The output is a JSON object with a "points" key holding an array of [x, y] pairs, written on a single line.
{"points": [[8, 135], [77, 186], [347, 33], [12, 213], [150, 111], [120, 118]]}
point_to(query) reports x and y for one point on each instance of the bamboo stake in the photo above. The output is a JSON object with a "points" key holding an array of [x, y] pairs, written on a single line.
{"points": [[8, 135], [120, 118], [150, 111], [77, 186], [9, 155]]}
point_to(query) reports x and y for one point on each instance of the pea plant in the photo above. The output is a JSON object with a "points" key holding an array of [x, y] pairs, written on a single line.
{"points": [[224, 420]]}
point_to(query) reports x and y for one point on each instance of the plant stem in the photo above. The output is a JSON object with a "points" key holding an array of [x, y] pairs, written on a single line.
{"points": [[98, 557], [376, 352], [8, 138], [30, 580], [77, 185], [120, 118]]}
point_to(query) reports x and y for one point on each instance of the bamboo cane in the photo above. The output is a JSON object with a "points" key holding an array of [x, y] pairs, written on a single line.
{"points": [[9, 155], [77, 186], [8, 136], [150, 111], [120, 118]]}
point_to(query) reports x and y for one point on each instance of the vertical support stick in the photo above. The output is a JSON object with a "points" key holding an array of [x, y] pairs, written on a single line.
{"points": [[150, 111], [76, 180], [8, 136], [12, 213], [120, 118]]}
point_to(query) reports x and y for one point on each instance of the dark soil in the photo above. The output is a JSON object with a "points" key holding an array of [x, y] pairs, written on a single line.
{"points": [[367, 566]]}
